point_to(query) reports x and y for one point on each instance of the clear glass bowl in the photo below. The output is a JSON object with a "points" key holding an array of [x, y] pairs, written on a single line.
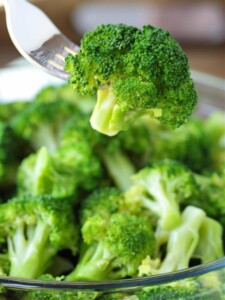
{"points": [[211, 91]]}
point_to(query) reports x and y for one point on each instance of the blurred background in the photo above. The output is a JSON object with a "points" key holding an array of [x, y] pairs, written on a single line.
{"points": [[199, 25]]}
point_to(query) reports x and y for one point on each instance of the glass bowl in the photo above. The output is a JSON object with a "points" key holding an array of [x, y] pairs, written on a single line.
{"points": [[211, 92]]}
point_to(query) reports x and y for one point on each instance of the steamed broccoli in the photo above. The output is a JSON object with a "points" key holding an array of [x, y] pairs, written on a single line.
{"points": [[133, 72], [40, 123], [10, 109], [108, 150], [102, 202], [113, 247], [12, 151], [211, 195], [160, 189], [182, 290], [40, 174], [210, 246], [183, 240], [36, 231], [62, 294]]}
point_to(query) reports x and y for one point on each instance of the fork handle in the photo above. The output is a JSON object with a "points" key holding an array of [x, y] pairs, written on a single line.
{"points": [[22, 29]]}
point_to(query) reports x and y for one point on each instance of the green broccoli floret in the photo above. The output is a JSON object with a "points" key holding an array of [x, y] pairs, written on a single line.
{"points": [[55, 294], [211, 195], [210, 246], [134, 72], [160, 189], [66, 92], [108, 150], [182, 290], [188, 144], [36, 231], [41, 123], [113, 247], [117, 296], [10, 109], [183, 240], [12, 150], [102, 202], [40, 174], [215, 131]]}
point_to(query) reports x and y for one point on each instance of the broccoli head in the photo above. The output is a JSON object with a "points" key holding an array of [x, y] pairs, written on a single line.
{"points": [[133, 72], [113, 247], [36, 231]]}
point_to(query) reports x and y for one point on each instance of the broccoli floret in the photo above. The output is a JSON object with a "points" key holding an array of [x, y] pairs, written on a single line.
{"points": [[41, 174], [4, 264], [215, 131], [9, 110], [36, 231], [66, 92], [12, 150], [211, 195], [113, 247], [182, 290], [108, 150], [41, 123], [117, 296], [102, 202], [183, 240], [210, 246], [188, 144], [160, 189], [44, 294], [133, 72], [149, 266]]}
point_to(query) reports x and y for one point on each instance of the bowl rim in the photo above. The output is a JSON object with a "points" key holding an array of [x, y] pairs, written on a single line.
{"points": [[29, 284]]}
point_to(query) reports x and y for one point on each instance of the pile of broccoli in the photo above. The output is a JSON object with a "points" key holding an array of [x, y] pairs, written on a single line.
{"points": [[79, 205]]}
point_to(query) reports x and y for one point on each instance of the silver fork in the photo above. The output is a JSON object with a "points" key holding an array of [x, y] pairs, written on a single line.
{"points": [[37, 38]]}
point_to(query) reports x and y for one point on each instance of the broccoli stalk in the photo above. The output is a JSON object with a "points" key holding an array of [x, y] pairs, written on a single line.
{"points": [[183, 240], [35, 232], [25, 251], [210, 246], [120, 168]]}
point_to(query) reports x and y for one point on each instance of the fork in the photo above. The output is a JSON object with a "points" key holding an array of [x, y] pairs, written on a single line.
{"points": [[37, 38]]}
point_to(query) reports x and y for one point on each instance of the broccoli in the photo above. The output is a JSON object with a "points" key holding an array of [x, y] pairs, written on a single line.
{"points": [[66, 92], [210, 246], [215, 131], [36, 231], [62, 294], [182, 290], [10, 109], [211, 195], [113, 247], [133, 72], [187, 144], [12, 151], [40, 123], [40, 174], [160, 189], [183, 240], [108, 150], [102, 202]]}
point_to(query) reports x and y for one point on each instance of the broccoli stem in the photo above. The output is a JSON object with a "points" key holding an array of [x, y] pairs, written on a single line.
{"points": [[28, 252], [107, 117], [92, 264], [120, 168], [183, 240], [164, 205]]}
